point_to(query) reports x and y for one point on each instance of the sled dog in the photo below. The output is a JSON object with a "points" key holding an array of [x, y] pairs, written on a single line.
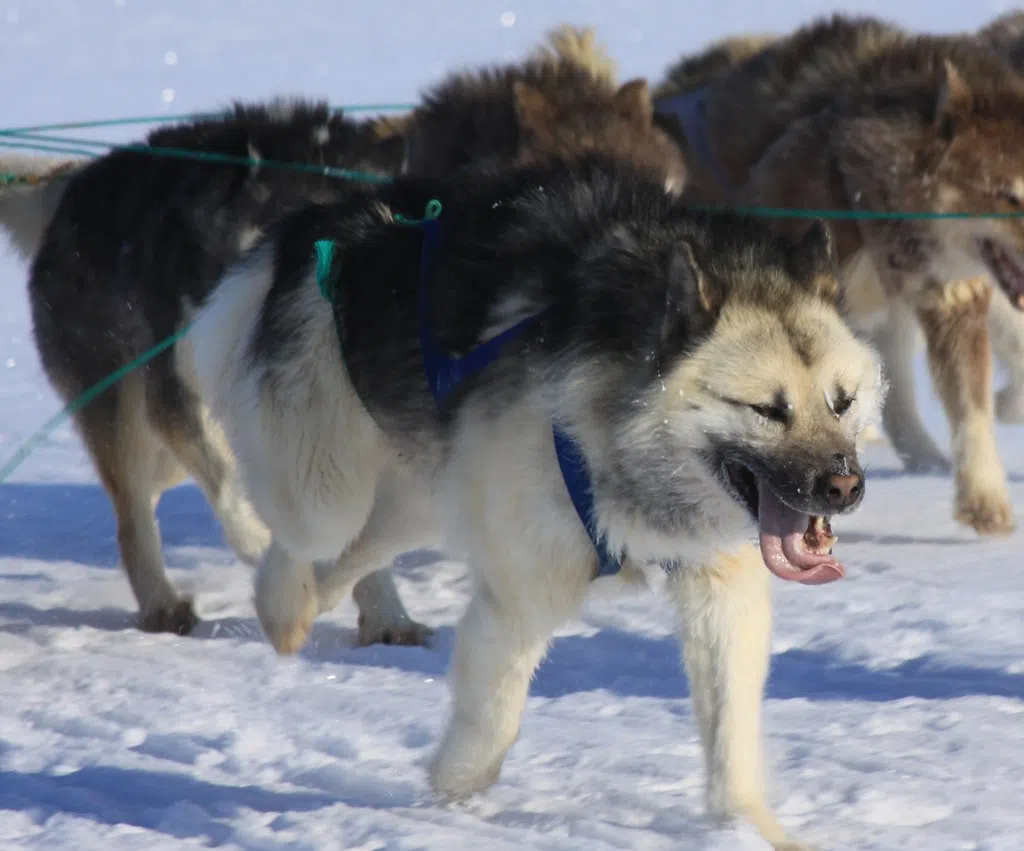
{"points": [[540, 371], [854, 114]]}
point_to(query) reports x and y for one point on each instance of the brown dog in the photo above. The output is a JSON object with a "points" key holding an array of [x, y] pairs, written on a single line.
{"points": [[858, 115]]}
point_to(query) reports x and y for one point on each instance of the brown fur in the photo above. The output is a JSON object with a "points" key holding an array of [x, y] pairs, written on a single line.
{"points": [[561, 101], [1005, 35], [696, 70], [856, 114]]}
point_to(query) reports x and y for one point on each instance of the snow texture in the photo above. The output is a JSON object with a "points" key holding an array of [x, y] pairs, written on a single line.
{"points": [[895, 710]]}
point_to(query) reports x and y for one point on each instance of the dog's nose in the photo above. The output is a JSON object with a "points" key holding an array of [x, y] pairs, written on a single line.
{"points": [[845, 490]]}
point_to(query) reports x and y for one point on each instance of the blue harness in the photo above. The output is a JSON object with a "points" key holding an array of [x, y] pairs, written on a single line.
{"points": [[690, 108], [444, 373]]}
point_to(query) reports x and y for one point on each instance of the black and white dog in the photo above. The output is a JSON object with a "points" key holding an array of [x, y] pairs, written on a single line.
{"points": [[559, 367]]}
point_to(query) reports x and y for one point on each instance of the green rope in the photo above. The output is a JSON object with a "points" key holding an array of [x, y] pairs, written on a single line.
{"points": [[62, 145], [54, 149], [73, 407], [194, 116], [187, 154]]}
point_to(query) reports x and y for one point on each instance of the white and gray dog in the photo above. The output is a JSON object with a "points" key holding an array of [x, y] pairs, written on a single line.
{"points": [[565, 372]]}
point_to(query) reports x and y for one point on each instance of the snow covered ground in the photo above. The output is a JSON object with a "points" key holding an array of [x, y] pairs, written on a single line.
{"points": [[896, 704]]}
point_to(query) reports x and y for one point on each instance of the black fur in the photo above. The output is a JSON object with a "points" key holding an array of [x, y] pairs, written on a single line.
{"points": [[135, 234]]}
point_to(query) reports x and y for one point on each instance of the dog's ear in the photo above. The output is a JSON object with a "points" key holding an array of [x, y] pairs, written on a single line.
{"points": [[954, 100], [812, 262], [692, 299], [534, 111], [633, 99]]}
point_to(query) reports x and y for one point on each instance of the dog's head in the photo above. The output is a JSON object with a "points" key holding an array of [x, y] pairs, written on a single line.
{"points": [[960, 150], [980, 170], [618, 122], [736, 396]]}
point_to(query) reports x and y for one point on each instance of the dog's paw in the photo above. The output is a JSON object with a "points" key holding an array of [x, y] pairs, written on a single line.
{"points": [[987, 512], [177, 616], [405, 632], [286, 605], [452, 780], [1010, 406], [287, 632]]}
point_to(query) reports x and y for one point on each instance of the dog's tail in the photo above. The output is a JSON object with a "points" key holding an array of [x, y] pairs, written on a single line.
{"points": [[30, 189], [696, 70], [577, 46]]}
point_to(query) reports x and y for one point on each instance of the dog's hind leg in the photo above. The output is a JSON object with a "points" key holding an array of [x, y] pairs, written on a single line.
{"points": [[135, 468], [403, 518], [725, 610], [954, 318], [895, 342], [200, 447]]}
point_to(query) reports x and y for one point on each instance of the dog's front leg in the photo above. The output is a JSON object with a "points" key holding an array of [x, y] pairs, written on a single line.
{"points": [[954, 318], [501, 639], [726, 614]]}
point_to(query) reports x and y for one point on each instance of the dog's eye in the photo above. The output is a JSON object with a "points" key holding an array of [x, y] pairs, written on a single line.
{"points": [[776, 413], [841, 405]]}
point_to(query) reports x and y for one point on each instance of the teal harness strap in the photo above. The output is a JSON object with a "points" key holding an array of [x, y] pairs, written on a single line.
{"points": [[326, 272]]}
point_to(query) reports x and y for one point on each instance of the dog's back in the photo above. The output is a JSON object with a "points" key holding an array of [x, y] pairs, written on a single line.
{"points": [[563, 100], [137, 233], [755, 102], [691, 72]]}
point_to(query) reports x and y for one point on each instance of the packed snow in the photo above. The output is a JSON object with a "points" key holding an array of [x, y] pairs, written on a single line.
{"points": [[895, 709]]}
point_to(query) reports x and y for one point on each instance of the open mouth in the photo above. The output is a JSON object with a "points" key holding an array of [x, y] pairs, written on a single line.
{"points": [[1005, 270], [794, 546]]}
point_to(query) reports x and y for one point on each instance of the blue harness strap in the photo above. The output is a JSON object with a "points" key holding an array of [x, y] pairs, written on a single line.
{"points": [[690, 109], [577, 481], [444, 373]]}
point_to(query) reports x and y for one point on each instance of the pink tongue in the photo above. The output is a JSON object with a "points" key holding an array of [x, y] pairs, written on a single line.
{"points": [[781, 534]]}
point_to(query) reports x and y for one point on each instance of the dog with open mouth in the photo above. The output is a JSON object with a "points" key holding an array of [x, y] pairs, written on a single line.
{"points": [[855, 114], [558, 367]]}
